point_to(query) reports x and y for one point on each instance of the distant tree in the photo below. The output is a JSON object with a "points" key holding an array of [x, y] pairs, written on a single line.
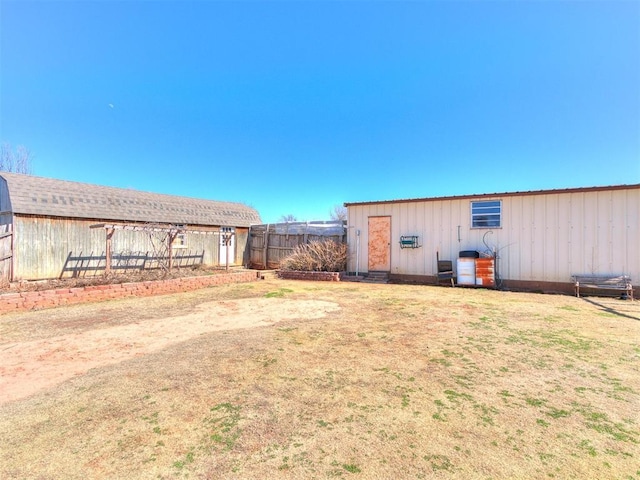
{"points": [[18, 161], [290, 217], [339, 213]]}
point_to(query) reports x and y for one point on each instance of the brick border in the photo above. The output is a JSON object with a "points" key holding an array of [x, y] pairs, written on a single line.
{"points": [[14, 302], [318, 276]]}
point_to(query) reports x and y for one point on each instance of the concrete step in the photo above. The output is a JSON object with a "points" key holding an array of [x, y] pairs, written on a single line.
{"points": [[267, 274], [376, 277]]}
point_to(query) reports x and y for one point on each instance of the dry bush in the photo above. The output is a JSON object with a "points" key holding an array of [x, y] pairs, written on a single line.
{"points": [[325, 256]]}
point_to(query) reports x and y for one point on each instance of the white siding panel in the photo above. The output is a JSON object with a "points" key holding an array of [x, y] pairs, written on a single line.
{"points": [[517, 250], [536, 235], [576, 262], [563, 233], [548, 230], [407, 258], [631, 255]]}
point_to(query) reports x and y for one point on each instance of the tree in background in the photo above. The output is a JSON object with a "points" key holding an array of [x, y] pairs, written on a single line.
{"points": [[339, 213], [18, 161], [288, 218]]}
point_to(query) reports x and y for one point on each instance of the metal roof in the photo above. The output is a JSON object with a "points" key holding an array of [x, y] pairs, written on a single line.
{"points": [[30, 195], [494, 195]]}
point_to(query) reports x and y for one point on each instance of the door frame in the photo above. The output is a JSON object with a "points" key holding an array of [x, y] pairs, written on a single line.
{"points": [[383, 235], [227, 250]]}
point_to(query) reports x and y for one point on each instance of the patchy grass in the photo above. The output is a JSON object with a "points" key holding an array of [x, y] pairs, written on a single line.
{"points": [[401, 382], [281, 292]]}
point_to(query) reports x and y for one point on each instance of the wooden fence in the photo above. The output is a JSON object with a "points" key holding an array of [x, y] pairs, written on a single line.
{"points": [[270, 243], [80, 265]]}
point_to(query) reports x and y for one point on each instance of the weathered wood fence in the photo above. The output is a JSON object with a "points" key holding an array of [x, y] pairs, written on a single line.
{"points": [[91, 264], [270, 243]]}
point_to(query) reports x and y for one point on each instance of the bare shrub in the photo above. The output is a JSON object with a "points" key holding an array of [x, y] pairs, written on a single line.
{"points": [[321, 256]]}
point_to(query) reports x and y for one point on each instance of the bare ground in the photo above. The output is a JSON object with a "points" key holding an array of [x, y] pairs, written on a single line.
{"points": [[27, 367], [283, 379]]}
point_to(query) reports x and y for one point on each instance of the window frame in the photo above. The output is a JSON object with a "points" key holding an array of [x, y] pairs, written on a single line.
{"points": [[489, 213], [180, 241]]}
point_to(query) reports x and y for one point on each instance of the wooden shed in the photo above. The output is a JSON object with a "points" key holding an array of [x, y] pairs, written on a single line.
{"points": [[53, 228], [537, 239]]}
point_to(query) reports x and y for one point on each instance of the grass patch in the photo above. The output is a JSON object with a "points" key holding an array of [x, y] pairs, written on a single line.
{"points": [[281, 292], [351, 468]]}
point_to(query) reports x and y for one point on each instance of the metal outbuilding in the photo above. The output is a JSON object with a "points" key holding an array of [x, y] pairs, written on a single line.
{"points": [[538, 240], [46, 228]]}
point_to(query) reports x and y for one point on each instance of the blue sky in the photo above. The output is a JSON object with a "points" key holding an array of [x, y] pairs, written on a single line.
{"points": [[294, 107]]}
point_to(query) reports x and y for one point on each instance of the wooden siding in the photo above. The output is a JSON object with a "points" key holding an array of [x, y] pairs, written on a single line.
{"points": [[44, 246], [544, 238], [6, 248]]}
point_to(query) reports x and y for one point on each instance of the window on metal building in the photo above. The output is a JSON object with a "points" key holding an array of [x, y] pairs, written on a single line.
{"points": [[486, 214]]}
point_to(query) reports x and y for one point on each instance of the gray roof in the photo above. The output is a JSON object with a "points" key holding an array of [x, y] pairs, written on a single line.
{"points": [[31, 195]]}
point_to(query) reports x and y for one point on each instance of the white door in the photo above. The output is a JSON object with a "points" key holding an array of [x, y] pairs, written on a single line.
{"points": [[227, 246]]}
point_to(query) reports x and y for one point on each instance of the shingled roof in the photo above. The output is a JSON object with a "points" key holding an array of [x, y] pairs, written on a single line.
{"points": [[31, 195]]}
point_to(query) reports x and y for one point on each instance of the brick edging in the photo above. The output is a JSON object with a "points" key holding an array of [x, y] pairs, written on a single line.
{"points": [[300, 275], [13, 302]]}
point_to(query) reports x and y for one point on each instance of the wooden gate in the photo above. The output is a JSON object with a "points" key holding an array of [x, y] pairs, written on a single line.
{"points": [[379, 245]]}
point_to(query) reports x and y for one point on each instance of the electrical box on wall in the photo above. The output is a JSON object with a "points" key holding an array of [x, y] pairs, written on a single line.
{"points": [[409, 241]]}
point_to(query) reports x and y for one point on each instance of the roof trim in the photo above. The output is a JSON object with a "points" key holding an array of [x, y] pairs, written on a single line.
{"points": [[504, 194]]}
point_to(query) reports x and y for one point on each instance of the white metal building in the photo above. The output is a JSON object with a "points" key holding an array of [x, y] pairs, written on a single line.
{"points": [[539, 238]]}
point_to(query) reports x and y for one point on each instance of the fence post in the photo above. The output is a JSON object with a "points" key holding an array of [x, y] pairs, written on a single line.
{"points": [[266, 248]]}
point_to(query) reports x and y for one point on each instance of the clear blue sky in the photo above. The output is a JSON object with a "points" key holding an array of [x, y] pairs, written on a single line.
{"points": [[297, 106]]}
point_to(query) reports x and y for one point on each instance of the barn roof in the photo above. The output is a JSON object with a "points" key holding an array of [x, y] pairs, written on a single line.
{"points": [[30, 195]]}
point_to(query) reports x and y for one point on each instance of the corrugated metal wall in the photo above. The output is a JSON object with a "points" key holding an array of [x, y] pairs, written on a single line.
{"points": [[544, 237], [43, 245]]}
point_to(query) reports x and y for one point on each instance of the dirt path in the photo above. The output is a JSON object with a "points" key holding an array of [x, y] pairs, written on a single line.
{"points": [[31, 366]]}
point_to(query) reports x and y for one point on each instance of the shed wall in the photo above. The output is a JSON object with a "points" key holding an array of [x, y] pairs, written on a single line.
{"points": [[6, 247], [43, 246], [544, 237]]}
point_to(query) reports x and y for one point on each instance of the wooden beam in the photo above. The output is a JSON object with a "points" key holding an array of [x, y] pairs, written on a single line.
{"points": [[171, 236], [153, 228], [107, 266]]}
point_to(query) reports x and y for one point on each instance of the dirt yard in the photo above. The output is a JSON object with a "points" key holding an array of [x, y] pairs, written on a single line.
{"points": [[28, 367], [303, 380]]}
